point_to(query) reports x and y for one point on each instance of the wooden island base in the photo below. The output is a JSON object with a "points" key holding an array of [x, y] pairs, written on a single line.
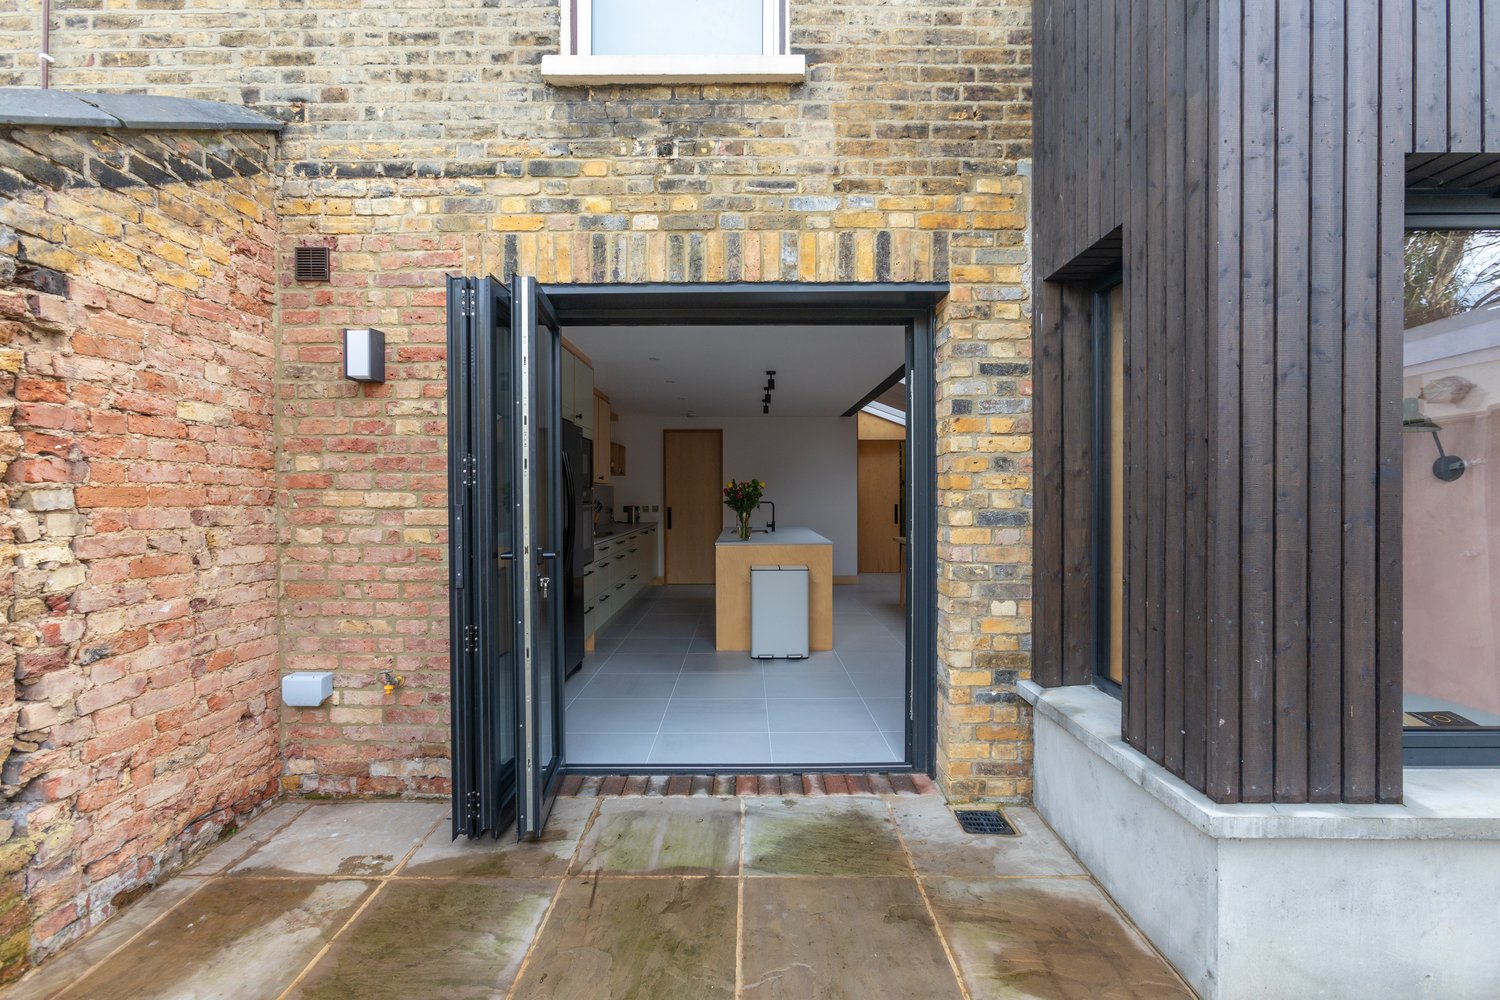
{"points": [[732, 562]]}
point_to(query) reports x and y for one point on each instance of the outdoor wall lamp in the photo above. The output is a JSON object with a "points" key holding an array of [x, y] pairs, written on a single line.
{"points": [[1413, 421], [364, 355]]}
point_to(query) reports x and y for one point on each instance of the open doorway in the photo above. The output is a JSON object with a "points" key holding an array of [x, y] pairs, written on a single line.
{"points": [[571, 650], [672, 675]]}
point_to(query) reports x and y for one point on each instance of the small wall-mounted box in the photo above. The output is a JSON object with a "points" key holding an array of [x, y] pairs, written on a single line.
{"points": [[364, 355], [307, 688]]}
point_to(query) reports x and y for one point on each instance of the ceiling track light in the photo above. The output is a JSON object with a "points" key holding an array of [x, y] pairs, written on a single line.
{"points": [[770, 380]]}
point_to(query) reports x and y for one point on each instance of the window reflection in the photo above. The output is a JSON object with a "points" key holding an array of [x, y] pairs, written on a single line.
{"points": [[1451, 479]]}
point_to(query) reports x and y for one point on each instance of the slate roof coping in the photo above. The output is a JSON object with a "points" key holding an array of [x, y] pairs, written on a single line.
{"points": [[80, 109]]}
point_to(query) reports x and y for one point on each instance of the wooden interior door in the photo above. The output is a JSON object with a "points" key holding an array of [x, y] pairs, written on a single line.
{"points": [[693, 502], [879, 506]]}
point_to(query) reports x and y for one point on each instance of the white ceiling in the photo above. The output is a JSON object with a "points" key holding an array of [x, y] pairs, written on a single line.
{"points": [[719, 371]]}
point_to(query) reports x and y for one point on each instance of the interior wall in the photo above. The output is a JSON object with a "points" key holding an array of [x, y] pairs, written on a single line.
{"points": [[809, 465]]}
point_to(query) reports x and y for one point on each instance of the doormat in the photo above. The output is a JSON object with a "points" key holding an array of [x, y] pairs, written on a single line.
{"points": [[984, 821], [1444, 720]]}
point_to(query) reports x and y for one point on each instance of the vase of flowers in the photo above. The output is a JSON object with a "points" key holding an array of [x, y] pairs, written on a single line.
{"points": [[743, 496]]}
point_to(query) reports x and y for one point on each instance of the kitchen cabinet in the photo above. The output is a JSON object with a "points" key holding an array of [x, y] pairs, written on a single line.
{"points": [[616, 459], [576, 389], [624, 565], [602, 433]]}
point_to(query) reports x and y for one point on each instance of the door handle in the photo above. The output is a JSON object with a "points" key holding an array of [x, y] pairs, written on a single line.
{"points": [[669, 518], [896, 514]]}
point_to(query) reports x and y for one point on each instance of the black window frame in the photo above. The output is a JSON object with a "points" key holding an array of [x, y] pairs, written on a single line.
{"points": [[1428, 210], [1099, 320]]}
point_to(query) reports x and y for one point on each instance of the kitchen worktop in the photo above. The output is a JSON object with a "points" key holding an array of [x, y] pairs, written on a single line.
{"points": [[782, 536], [617, 530]]}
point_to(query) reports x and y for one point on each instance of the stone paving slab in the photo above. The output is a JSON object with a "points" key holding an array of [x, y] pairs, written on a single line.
{"points": [[97, 946], [235, 939], [440, 856], [865, 938], [939, 846], [850, 835], [626, 938], [359, 839], [677, 836], [459, 940], [253, 834], [809, 896], [1060, 939]]}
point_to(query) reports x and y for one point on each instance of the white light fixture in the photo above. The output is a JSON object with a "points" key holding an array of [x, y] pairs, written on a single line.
{"points": [[364, 355], [306, 688]]}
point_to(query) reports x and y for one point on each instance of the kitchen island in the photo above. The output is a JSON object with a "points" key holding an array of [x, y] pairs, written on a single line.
{"points": [[789, 547]]}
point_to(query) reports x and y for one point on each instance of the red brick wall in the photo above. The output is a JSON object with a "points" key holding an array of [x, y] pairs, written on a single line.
{"points": [[136, 439]]}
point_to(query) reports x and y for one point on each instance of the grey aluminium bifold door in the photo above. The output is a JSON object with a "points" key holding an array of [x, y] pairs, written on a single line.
{"points": [[505, 544], [537, 415]]}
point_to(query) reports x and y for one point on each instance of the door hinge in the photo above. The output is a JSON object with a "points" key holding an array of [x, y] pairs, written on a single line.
{"points": [[471, 638], [466, 301], [472, 805], [470, 470]]}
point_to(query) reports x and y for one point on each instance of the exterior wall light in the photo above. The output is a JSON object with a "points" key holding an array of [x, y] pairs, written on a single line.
{"points": [[364, 355], [1413, 421]]}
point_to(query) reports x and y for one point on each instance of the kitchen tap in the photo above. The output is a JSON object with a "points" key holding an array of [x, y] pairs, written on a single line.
{"points": [[770, 521]]}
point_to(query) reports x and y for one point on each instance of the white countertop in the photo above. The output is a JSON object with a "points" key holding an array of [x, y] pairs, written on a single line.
{"points": [[781, 536]]}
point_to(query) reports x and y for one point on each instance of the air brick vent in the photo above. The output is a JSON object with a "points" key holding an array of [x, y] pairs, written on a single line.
{"points": [[984, 821], [313, 264]]}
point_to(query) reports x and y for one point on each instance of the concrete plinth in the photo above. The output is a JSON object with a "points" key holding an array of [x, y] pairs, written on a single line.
{"points": [[1251, 901]]}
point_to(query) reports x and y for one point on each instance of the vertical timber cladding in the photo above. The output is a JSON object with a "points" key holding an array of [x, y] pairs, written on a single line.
{"points": [[429, 151], [1253, 155]]}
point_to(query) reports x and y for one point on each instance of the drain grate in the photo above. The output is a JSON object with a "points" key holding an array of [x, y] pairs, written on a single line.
{"points": [[984, 821]]}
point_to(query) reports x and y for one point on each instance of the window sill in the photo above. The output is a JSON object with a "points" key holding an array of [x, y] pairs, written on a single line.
{"points": [[576, 71]]}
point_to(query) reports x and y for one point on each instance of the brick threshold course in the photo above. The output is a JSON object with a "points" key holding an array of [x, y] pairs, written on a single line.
{"points": [[580, 786]]}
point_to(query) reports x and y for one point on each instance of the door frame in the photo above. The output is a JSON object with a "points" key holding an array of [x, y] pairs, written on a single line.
{"points": [[912, 305]]}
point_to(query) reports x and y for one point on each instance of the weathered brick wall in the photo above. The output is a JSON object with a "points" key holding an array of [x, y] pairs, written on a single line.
{"points": [[424, 142], [138, 697]]}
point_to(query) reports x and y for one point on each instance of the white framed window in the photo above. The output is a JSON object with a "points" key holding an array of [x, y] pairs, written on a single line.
{"points": [[672, 41]]}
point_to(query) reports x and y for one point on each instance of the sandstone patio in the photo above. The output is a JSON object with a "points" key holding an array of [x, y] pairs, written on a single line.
{"points": [[693, 897]]}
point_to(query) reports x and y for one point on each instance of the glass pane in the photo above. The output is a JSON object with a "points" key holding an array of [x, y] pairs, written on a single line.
{"points": [[1451, 479], [1115, 668], [677, 27]]}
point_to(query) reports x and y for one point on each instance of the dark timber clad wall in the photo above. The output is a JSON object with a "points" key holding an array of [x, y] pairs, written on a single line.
{"points": [[1245, 162]]}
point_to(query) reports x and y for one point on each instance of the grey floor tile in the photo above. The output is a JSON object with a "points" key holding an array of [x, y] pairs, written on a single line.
{"points": [[838, 835], [235, 939], [869, 938], [880, 684], [442, 856], [711, 748], [715, 715], [641, 663], [738, 684], [613, 939], [1055, 938], [657, 645], [459, 940], [814, 684], [669, 836], [821, 661], [616, 715], [353, 838], [630, 686], [830, 748], [889, 713], [820, 715], [609, 748], [700, 664]]}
